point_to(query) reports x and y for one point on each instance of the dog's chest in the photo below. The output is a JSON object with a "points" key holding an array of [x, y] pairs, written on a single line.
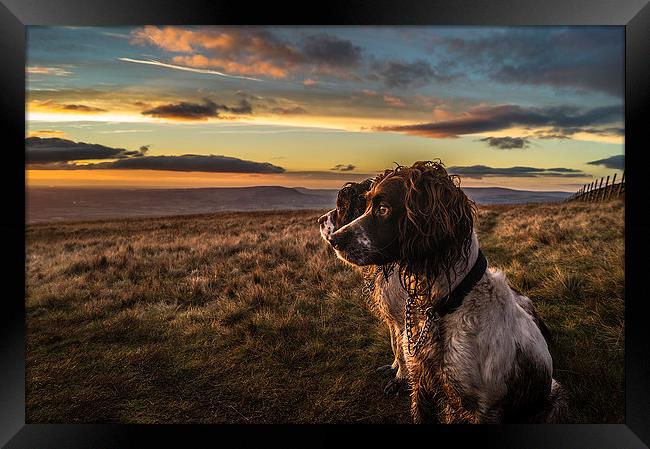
{"points": [[389, 298], [444, 391]]}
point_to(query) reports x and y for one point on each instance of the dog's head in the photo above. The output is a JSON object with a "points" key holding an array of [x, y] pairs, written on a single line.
{"points": [[350, 204], [416, 217]]}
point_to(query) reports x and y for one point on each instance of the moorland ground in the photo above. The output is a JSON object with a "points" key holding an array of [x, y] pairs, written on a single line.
{"points": [[249, 317]]}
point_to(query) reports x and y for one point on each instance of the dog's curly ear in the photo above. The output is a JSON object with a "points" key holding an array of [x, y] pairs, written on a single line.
{"points": [[436, 228], [351, 201]]}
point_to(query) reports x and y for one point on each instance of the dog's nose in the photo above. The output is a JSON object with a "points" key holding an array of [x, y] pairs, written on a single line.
{"points": [[338, 240]]}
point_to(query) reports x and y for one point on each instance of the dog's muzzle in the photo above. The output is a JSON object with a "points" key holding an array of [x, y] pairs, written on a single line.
{"points": [[340, 240], [326, 223]]}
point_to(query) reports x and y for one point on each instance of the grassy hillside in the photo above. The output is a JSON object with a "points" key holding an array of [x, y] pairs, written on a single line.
{"points": [[249, 317]]}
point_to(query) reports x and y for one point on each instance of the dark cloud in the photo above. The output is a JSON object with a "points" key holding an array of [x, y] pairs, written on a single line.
{"points": [[342, 167], [244, 108], [563, 170], [506, 143], [197, 111], [588, 58], [615, 162], [481, 171], [494, 118], [249, 96], [568, 132], [183, 163], [185, 110], [194, 162], [408, 74], [332, 175], [46, 150], [550, 135], [82, 108], [58, 154], [608, 131], [326, 49], [292, 110]]}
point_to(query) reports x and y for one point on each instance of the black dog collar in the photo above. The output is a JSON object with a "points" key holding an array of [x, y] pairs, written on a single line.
{"points": [[454, 300]]}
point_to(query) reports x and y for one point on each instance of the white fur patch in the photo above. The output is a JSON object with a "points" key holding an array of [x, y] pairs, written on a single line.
{"points": [[327, 226], [364, 241]]}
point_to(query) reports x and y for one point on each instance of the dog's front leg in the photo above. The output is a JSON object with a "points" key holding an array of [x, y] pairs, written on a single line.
{"points": [[424, 400], [400, 382], [399, 354], [397, 369], [391, 369]]}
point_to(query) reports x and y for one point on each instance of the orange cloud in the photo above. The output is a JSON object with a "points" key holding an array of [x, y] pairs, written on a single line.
{"points": [[393, 101], [251, 67], [183, 40], [440, 114], [233, 50], [253, 50], [72, 108], [39, 70], [168, 38], [46, 133]]}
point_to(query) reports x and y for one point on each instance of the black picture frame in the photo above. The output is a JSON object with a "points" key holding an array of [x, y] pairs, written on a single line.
{"points": [[15, 15]]}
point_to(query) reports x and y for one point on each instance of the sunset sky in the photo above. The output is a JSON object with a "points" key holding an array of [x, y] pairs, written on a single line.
{"points": [[538, 108]]}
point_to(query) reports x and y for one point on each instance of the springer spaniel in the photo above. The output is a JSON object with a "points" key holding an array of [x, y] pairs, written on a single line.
{"points": [[473, 347]]}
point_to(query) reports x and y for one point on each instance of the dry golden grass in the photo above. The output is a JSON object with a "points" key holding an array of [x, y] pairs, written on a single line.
{"points": [[249, 317]]}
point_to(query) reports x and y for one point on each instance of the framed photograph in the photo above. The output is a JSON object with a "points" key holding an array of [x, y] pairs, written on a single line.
{"points": [[398, 213]]}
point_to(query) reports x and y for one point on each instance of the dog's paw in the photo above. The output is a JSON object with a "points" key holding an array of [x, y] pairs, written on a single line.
{"points": [[387, 370], [396, 386]]}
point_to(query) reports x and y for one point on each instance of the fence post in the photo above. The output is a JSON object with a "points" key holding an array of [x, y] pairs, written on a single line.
{"points": [[609, 194], [602, 195], [597, 192], [620, 186], [591, 190]]}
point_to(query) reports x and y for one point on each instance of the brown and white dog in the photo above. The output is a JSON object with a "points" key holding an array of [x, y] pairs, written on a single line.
{"points": [[487, 360]]}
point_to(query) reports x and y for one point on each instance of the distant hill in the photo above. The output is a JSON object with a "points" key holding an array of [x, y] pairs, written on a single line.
{"points": [[65, 204], [46, 204], [500, 195]]}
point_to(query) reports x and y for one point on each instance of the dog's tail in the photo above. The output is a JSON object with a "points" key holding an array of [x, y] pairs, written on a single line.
{"points": [[556, 405]]}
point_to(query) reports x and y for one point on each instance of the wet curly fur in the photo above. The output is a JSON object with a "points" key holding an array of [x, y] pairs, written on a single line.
{"points": [[435, 230], [488, 360]]}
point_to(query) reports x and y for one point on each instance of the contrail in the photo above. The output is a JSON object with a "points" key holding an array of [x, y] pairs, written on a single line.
{"points": [[187, 69]]}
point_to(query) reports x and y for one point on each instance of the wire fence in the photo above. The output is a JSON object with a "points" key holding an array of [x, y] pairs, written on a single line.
{"points": [[597, 192]]}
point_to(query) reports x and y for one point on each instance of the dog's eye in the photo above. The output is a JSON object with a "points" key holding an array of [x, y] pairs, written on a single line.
{"points": [[382, 210]]}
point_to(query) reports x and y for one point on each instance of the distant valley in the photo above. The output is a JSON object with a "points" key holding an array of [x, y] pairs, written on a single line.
{"points": [[44, 204]]}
